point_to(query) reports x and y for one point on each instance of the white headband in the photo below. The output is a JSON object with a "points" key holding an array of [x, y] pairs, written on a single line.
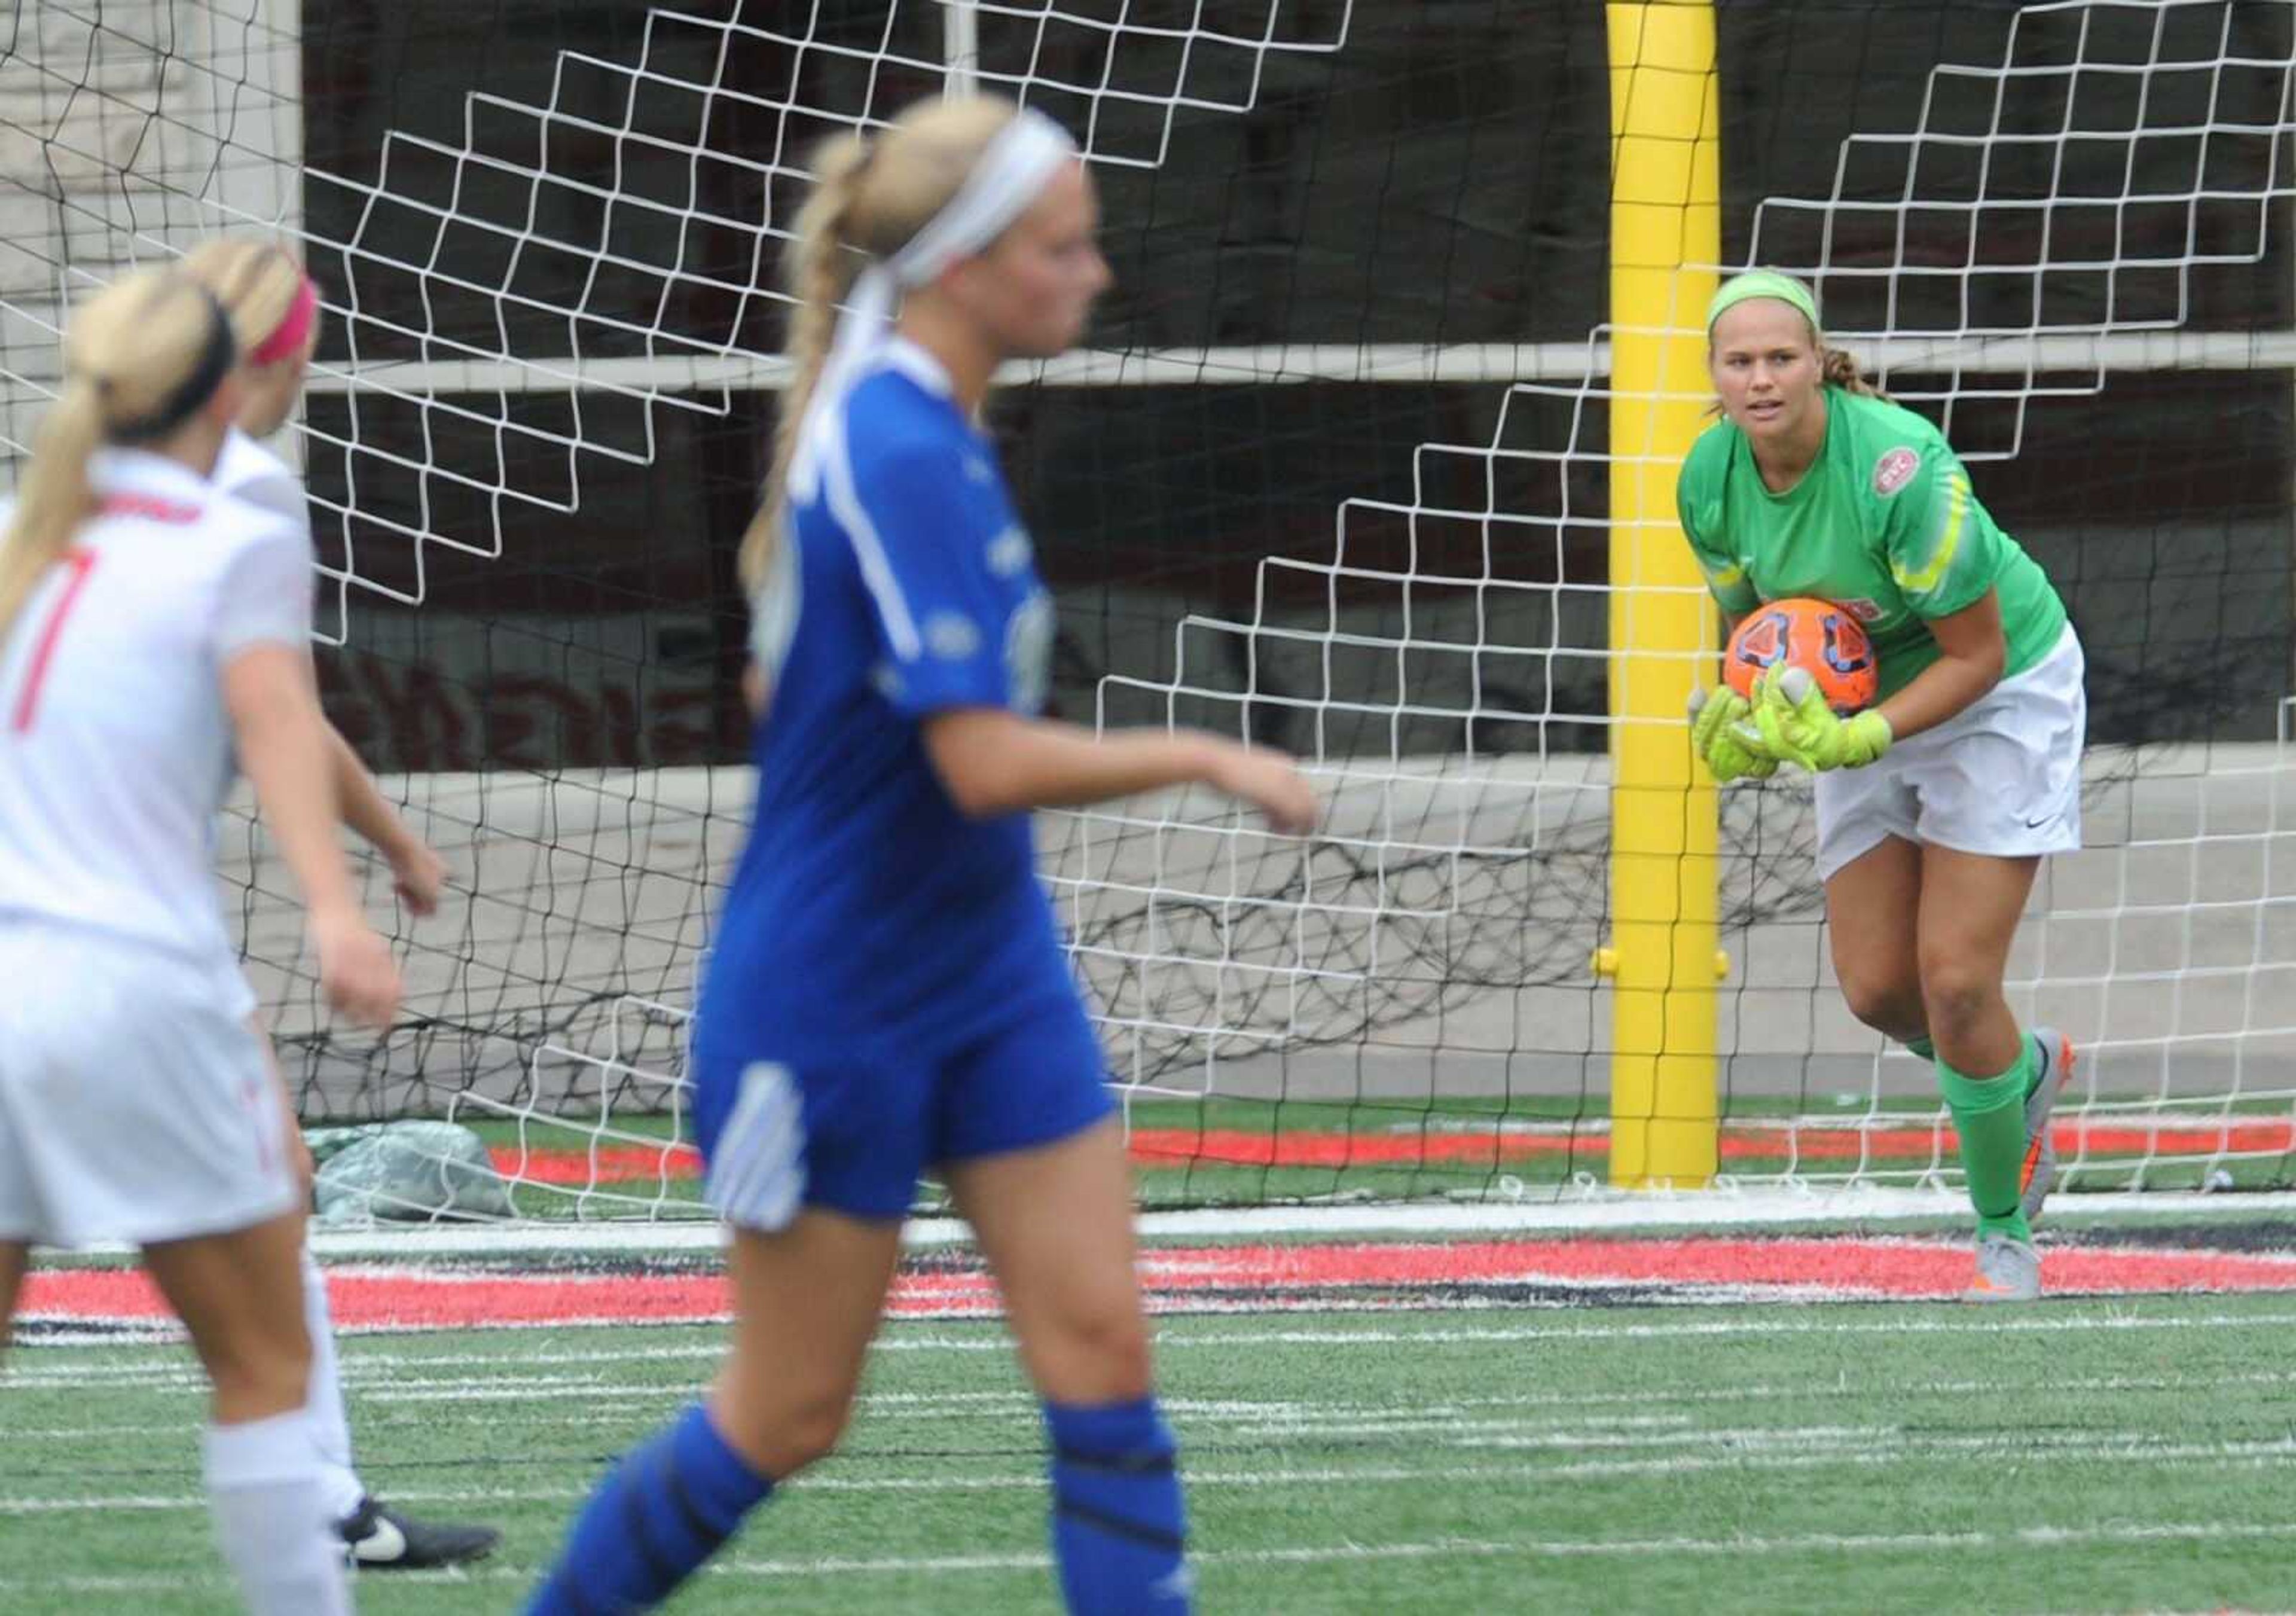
{"points": [[1011, 173]]}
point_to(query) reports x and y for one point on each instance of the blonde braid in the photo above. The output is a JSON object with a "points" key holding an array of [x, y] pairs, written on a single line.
{"points": [[822, 267], [869, 198]]}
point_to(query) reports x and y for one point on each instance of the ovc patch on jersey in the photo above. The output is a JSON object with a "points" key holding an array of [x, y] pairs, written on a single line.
{"points": [[951, 635], [1895, 470], [1862, 609], [1009, 552]]}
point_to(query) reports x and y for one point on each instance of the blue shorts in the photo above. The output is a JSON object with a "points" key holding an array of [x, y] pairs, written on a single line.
{"points": [[853, 1129]]}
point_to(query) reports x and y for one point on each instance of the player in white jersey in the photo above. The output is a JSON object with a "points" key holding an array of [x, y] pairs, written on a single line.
{"points": [[152, 641], [274, 308]]}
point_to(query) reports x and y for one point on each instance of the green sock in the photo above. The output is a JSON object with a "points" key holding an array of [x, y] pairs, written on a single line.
{"points": [[1989, 1115], [1922, 1048]]}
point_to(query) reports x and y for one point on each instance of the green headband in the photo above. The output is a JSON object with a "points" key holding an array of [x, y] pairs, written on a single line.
{"points": [[1761, 283]]}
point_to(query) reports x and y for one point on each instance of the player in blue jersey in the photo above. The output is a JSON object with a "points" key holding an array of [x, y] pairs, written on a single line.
{"points": [[887, 990]]}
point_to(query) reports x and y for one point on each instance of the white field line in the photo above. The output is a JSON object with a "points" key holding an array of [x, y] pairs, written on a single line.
{"points": [[2039, 1538], [966, 1304], [969, 1307], [1195, 1420], [373, 1388], [1175, 1335], [1582, 1212], [1802, 1454], [619, 1392], [1214, 1408]]}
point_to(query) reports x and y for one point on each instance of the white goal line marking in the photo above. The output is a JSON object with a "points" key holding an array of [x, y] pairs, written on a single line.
{"points": [[1574, 1211]]}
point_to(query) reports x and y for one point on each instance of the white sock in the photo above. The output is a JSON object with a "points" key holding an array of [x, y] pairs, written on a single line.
{"points": [[262, 1490], [331, 1427]]}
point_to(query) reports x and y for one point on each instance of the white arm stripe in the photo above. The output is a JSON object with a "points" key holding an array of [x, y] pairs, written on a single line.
{"points": [[868, 549]]}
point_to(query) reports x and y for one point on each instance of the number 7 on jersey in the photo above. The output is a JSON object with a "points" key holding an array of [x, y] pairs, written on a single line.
{"points": [[79, 563]]}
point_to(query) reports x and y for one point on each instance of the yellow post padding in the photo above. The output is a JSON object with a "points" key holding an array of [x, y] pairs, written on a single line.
{"points": [[1663, 948]]}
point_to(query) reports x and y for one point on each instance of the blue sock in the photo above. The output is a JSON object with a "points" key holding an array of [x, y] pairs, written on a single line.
{"points": [[1120, 1530], [655, 1518]]}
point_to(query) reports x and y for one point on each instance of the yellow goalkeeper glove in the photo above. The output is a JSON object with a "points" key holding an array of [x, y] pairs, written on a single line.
{"points": [[1722, 733], [1797, 727]]}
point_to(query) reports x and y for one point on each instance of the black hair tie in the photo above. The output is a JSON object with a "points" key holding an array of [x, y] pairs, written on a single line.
{"points": [[216, 362]]}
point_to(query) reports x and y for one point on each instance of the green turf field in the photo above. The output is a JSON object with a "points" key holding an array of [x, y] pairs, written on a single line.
{"points": [[2073, 1456]]}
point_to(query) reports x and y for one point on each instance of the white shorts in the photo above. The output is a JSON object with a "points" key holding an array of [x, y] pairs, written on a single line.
{"points": [[2002, 778], [136, 1096]]}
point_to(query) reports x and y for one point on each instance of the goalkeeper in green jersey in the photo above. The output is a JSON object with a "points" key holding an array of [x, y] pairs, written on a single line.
{"points": [[1935, 805]]}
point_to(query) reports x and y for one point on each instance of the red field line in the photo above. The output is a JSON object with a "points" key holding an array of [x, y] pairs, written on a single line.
{"points": [[1258, 1277], [607, 1164], [1164, 1148]]}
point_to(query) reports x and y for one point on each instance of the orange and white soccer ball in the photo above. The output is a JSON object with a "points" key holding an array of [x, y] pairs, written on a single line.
{"points": [[1817, 636]]}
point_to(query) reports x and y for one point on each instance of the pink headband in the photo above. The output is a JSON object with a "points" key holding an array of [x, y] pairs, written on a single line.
{"points": [[292, 330]]}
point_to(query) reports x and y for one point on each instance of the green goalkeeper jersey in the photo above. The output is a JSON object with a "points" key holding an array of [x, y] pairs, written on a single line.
{"points": [[1884, 523]]}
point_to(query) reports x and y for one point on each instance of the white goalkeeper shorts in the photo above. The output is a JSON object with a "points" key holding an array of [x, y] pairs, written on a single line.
{"points": [[136, 1101], [2002, 778]]}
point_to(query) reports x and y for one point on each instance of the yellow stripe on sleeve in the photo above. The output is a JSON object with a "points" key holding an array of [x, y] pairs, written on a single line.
{"points": [[1956, 513]]}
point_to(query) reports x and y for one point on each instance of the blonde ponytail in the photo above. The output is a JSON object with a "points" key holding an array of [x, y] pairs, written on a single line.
{"points": [[55, 497], [869, 197], [140, 359], [1838, 367], [821, 266]]}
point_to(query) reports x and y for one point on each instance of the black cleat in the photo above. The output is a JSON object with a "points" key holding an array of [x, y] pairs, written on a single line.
{"points": [[379, 1538]]}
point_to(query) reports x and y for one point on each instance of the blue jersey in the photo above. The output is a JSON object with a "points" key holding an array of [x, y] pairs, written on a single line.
{"points": [[865, 904]]}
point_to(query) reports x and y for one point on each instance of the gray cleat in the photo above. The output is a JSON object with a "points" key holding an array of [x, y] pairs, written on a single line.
{"points": [[2007, 1270], [2054, 1051]]}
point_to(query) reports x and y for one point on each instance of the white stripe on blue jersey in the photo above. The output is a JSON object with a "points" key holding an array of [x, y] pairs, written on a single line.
{"points": [[756, 1171], [868, 548], [903, 587]]}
